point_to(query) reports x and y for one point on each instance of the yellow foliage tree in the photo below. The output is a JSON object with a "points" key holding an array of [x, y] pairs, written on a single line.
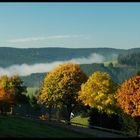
{"points": [[99, 92], [60, 87]]}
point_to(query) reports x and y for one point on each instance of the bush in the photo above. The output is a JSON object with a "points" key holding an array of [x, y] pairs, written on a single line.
{"points": [[43, 117], [101, 119], [129, 124]]}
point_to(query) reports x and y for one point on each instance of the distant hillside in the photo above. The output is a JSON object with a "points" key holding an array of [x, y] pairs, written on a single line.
{"points": [[133, 50], [118, 74], [33, 80], [10, 56]]}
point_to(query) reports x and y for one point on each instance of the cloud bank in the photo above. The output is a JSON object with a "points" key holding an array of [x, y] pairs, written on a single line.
{"points": [[25, 69]]}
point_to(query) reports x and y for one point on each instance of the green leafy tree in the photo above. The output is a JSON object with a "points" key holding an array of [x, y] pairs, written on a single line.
{"points": [[60, 87], [19, 89], [129, 58], [138, 73]]}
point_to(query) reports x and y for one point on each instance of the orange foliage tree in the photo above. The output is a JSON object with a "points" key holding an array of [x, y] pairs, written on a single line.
{"points": [[11, 89], [60, 87], [128, 98]]}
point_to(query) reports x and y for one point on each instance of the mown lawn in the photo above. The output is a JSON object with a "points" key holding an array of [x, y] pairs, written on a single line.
{"points": [[21, 127], [81, 120]]}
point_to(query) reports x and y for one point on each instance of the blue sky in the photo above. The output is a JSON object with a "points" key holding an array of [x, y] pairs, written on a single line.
{"points": [[70, 25]]}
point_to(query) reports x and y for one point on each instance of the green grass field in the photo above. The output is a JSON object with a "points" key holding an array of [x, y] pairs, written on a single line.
{"points": [[81, 120], [21, 127], [114, 62]]}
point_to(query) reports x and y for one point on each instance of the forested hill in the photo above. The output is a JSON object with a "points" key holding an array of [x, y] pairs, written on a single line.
{"points": [[118, 74], [10, 56]]}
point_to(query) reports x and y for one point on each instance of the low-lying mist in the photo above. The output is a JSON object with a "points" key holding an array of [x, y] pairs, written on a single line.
{"points": [[25, 69]]}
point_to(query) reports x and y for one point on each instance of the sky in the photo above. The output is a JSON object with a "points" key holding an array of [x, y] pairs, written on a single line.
{"points": [[70, 24]]}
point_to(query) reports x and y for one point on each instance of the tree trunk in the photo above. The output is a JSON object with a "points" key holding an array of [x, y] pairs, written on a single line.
{"points": [[137, 119], [11, 110], [2, 109], [50, 113], [100, 120], [69, 110], [58, 115], [138, 130]]}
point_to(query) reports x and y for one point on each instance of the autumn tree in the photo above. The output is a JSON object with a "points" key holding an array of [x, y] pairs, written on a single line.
{"points": [[6, 97], [128, 98], [99, 92], [60, 87], [11, 89], [19, 89]]}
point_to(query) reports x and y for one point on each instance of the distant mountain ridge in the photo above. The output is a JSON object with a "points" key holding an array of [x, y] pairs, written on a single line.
{"points": [[11, 56]]}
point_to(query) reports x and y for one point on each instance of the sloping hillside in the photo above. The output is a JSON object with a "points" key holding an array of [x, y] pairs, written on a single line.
{"points": [[16, 127], [10, 56]]}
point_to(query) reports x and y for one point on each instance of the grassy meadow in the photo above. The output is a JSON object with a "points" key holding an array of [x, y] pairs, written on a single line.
{"points": [[20, 127], [80, 120]]}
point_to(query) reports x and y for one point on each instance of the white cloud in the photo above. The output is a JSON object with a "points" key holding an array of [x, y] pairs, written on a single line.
{"points": [[30, 39], [25, 69], [93, 58]]}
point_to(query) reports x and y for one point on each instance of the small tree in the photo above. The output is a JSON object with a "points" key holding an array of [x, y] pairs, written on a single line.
{"points": [[99, 92], [128, 98], [138, 73], [11, 89], [60, 87]]}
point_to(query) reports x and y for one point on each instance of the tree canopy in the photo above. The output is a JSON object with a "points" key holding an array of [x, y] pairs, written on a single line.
{"points": [[11, 91], [60, 87], [128, 96], [129, 58], [99, 92]]}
